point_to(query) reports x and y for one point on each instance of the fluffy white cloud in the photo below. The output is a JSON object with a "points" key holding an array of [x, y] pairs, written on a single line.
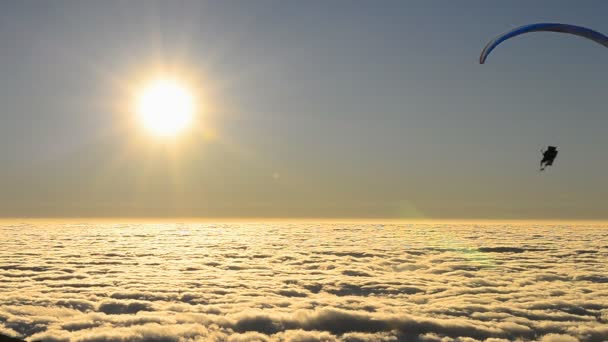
{"points": [[301, 283]]}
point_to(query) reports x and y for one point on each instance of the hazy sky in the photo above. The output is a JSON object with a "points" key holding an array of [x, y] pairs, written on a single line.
{"points": [[311, 109]]}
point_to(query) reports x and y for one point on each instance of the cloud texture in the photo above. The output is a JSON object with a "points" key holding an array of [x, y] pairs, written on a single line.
{"points": [[304, 282]]}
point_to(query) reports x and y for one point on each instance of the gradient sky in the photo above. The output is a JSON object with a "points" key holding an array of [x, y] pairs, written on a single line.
{"points": [[355, 109]]}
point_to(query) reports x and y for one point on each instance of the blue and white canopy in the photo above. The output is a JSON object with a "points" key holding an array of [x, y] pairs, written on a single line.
{"points": [[544, 27]]}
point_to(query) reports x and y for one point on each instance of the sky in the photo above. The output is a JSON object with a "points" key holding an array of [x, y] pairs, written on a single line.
{"points": [[308, 109]]}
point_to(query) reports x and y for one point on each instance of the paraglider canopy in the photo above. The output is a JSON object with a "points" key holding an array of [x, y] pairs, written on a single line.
{"points": [[544, 27]]}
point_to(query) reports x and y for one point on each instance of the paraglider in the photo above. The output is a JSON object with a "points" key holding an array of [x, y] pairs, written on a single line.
{"points": [[551, 152], [544, 27], [548, 157]]}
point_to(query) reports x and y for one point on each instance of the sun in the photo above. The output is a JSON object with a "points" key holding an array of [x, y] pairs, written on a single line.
{"points": [[165, 107]]}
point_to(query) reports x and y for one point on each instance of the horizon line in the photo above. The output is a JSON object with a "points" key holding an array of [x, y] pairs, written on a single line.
{"points": [[191, 220]]}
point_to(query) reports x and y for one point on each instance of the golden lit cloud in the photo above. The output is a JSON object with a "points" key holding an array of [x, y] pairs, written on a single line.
{"points": [[304, 282]]}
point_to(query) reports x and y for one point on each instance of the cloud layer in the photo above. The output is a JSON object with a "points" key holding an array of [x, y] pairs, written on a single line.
{"points": [[304, 282]]}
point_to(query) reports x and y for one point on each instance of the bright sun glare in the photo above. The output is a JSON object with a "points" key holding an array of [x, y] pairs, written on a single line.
{"points": [[165, 107]]}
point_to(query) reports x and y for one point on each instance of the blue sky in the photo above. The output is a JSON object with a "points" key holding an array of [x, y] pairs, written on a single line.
{"points": [[363, 109]]}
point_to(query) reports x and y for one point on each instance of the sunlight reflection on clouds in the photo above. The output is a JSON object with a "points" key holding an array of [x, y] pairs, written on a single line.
{"points": [[304, 282]]}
